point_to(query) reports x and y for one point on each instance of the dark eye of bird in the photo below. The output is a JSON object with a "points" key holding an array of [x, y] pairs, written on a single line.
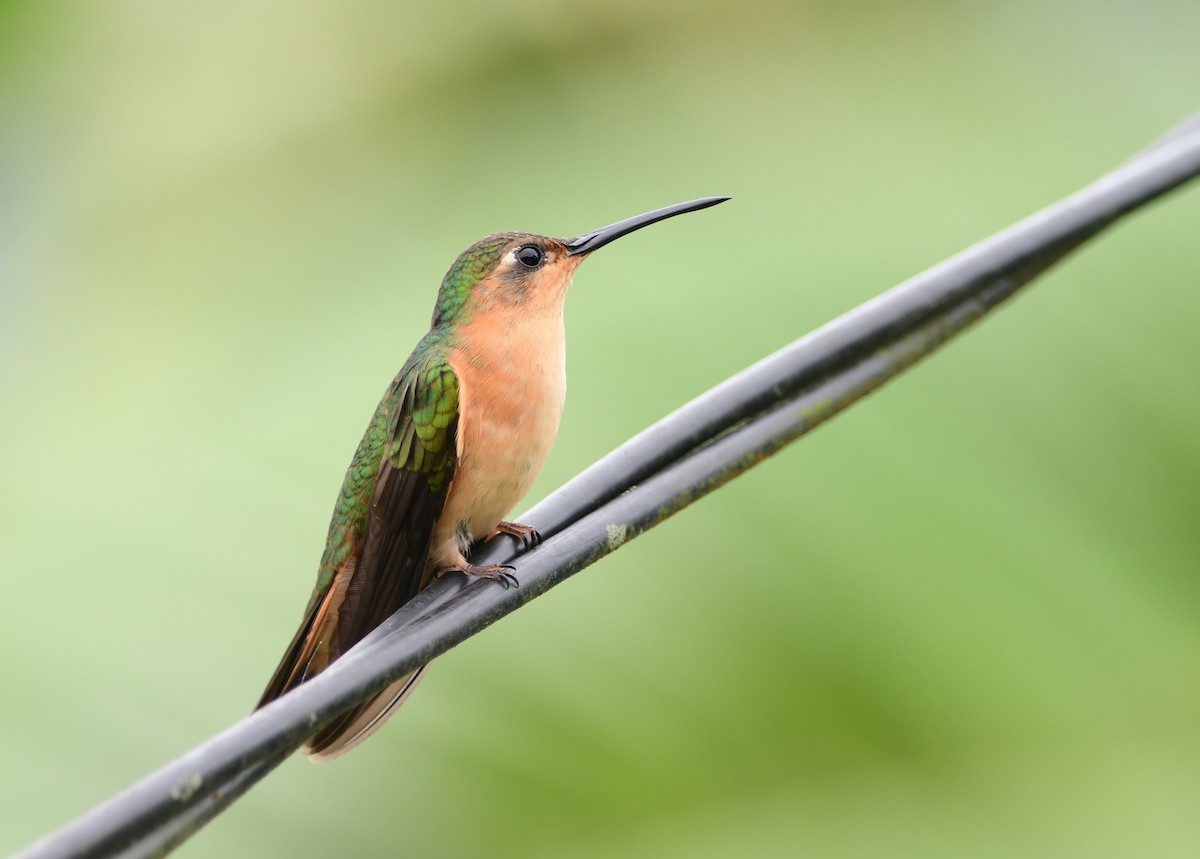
{"points": [[530, 256]]}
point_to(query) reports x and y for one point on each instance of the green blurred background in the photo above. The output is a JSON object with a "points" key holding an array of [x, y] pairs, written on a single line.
{"points": [[961, 620]]}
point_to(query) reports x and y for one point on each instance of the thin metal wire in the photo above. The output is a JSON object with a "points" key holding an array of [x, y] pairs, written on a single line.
{"points": [[665, 468]]}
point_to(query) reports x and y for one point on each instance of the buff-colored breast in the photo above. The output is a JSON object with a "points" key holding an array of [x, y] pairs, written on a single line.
{"points": [[511, 368]]}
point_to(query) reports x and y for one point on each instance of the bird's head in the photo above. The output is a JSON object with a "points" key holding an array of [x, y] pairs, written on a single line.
{"points": [[526, 271]]}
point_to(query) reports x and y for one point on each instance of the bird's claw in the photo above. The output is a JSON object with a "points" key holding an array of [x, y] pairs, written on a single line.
{"points": [[502, 573], [526, 535]]}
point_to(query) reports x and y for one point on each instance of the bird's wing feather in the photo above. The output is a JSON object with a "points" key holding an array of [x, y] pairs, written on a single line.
{"points": [[379, 537]]}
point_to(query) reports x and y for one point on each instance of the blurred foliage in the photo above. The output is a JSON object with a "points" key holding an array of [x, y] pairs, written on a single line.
{"points": [[962, 620]]}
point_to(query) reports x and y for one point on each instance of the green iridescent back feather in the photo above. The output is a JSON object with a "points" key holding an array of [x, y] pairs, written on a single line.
{"points": [[410, 428]]}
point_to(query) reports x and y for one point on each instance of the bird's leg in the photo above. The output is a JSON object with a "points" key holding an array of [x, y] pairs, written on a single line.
{"points": [[501, 573], [526, 535]]}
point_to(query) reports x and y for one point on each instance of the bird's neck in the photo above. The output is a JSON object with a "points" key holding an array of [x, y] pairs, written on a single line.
{"points": [[504, 337]]}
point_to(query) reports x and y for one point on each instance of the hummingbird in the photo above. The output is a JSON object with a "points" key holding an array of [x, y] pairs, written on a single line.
{"points": [[457, 440]]}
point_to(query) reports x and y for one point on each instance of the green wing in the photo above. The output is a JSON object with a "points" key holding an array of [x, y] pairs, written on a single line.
{"points": [[378, 541]]}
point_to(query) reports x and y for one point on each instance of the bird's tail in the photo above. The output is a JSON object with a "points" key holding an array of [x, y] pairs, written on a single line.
{"points": [[354, 726]]}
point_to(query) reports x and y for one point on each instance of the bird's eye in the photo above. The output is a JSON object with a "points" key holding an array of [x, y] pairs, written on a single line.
{"points": [[530, 256]]}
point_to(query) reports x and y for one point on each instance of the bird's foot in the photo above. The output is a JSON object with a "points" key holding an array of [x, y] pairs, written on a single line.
{"points": [[501, 573], [526, 535]]}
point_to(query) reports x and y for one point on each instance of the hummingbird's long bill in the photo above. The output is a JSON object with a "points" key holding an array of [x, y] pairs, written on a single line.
{"points": [[589, 242]]}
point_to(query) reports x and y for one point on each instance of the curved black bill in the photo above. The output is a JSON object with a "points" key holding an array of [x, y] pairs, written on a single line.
{"points": [[588, 242]]}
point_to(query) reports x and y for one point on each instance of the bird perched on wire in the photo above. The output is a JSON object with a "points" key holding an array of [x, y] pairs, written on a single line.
{"points": [[457, 440]]}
